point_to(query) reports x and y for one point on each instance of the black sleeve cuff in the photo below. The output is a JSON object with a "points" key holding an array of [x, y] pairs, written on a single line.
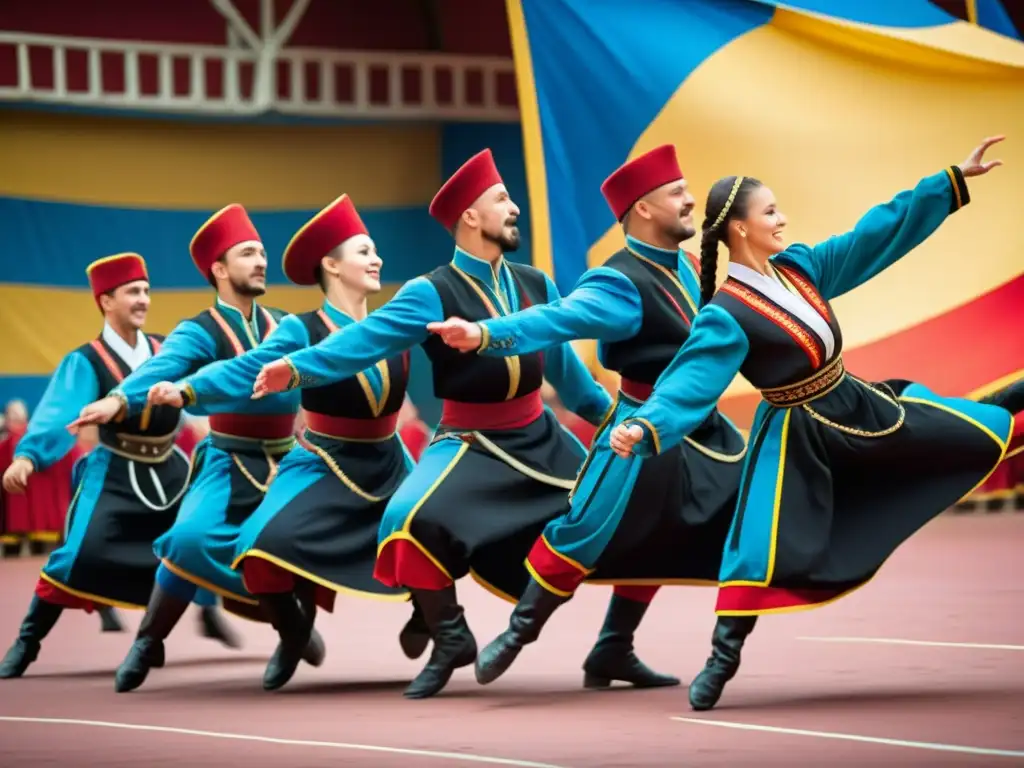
{"points": [[961, 194], [188, 396]]}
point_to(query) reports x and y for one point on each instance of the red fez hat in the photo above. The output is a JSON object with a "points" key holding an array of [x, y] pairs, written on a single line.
{"points": [[327, 230], [638, 177], [476, 176], [111, 272], [227, 227]]}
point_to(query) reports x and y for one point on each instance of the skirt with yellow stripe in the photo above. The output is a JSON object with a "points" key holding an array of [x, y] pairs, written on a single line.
{"points": [[230, 477], [119, 508], [832, 488], [660, 520], [320, 517], [475, 503]]}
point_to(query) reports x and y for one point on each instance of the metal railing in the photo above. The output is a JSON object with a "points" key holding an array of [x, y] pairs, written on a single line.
{"points": [[165, 77]]}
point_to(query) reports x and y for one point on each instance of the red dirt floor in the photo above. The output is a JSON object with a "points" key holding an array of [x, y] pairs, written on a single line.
{"points": [[960, 580]]}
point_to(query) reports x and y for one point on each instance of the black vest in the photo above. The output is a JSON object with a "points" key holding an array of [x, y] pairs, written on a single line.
{"points": [[665, 326], [472, 378], [783, 349], [110, 371], [347, 398], [225, 344]]}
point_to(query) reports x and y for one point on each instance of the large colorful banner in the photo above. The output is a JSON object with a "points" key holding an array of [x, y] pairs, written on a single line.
{"points": [[835, 105]]}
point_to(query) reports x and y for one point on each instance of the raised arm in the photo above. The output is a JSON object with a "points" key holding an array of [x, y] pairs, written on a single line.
{"points": [[576, 387], [604, 305], [71, 387], [232, 379], [687, 391], [393, 328], [889, 231], [186, 350]]}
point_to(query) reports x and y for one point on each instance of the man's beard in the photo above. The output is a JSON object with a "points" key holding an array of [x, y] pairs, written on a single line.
{"points": [[507, 243], [680, 232], [247, 290]]}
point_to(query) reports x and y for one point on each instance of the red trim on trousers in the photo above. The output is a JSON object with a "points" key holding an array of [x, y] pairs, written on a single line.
{"points": [[555, 570], [263, 577], [637, 592], [742, 598], [51, 593], [402, 564]]}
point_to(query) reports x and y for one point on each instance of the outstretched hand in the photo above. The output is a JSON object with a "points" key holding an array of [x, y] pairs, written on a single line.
{"points": [[624, 438], [975, 164], [458, 333], [102, 411], [273, 377]]}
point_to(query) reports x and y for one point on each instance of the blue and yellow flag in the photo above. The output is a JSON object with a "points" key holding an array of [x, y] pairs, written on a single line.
{"points": [[991, 14], [835, 105]]}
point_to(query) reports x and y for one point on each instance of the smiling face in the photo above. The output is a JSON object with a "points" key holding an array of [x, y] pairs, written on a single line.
{"points": [[763, 225], [127, 305], [356, 263], [670, 208]]}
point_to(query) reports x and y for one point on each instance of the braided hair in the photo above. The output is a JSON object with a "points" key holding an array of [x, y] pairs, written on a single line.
{"points": [[727, 200]]}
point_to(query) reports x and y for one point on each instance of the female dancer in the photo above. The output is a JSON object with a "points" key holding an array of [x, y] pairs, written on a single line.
{"points": [[839, 471], [315, 532]]}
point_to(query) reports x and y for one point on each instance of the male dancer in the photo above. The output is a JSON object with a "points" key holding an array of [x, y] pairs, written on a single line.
{"points": [[234, 464], [316, 529], [128, 488], [665, 521], [500, 465]]}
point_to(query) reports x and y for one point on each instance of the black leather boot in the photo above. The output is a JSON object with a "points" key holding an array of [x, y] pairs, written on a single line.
{"points": [[213, 626], [454, 644], [147, 652], [39, 620], [295, 629], [315, 651], [1010, 397], [724, 661], [415, 635], [528, 618], [109, 620], [613, 657]]}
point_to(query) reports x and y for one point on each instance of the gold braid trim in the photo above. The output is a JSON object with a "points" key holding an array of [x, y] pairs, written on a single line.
{"points": [[262, 487], [728, 203]]}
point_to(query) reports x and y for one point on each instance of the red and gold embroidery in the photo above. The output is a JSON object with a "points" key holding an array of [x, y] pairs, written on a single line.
{"points": [[232, 337], [807, 290], [675, 304], [113, 367], [801, 336]]}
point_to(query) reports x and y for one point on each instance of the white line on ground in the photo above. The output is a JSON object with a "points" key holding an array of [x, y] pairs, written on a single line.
{"points": [[455, 756], [928, 643], [933, 746]]}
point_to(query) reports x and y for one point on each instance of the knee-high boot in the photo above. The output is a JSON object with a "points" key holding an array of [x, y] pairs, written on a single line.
{"points": [[726, 643], [454, 644], [613, 657], [147, 652], [528, 618], [415, 635], [295, 628], [213, 626], [39, 620]]}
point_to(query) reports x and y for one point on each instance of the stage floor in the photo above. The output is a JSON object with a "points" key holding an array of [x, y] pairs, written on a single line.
{"points": [[924, 666]]}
